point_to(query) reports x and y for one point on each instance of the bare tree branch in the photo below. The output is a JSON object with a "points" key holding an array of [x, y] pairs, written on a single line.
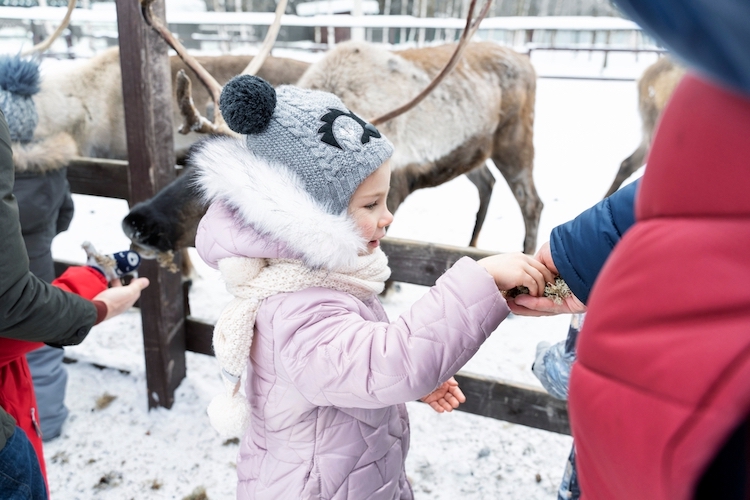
{"points": [[45, 44], [471, 27]]}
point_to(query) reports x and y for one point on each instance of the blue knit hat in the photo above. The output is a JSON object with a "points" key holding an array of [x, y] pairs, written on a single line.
{"points": [[309, 132], [19, 80]]}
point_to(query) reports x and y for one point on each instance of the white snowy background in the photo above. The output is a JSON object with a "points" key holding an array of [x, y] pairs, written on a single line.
{"points": [[121, 450]]}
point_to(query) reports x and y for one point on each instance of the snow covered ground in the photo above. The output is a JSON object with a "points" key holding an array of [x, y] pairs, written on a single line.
{"points": [[113, 447]]}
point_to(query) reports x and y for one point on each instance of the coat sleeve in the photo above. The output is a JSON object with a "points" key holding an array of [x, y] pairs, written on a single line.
{"points": [[67, 210], [336, 358], [29, 308], [581, 246]]}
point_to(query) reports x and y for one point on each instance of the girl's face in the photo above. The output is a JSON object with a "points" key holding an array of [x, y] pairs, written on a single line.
{"points": [[368, 209]]}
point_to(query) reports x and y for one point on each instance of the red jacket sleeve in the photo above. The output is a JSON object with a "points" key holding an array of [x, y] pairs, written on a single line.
{"points": [[82, 280]]}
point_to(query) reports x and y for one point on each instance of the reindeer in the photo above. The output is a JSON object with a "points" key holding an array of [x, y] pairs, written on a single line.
{"points": [[484, 109], [655, 87]]}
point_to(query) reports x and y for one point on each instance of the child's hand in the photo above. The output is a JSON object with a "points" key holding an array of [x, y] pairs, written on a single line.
{"points": [[527, 305], [446, 397], [515, 269]]}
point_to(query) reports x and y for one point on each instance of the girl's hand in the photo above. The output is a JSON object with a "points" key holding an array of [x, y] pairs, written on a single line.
{"points": [[515, 269], [446, 397]]}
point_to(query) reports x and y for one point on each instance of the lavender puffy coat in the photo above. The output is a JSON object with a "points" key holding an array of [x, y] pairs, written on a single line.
{"points": [[329, 373]]}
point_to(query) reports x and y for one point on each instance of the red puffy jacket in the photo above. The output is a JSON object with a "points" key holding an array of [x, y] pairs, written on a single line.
{"points": [[16, 387], [664, 356]]}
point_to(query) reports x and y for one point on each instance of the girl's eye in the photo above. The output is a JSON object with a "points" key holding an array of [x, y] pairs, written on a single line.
{"points": [[371, 206]]}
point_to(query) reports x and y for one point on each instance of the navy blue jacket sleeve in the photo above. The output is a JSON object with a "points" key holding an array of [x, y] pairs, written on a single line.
{"points": [[580, 247], [711, 36]]}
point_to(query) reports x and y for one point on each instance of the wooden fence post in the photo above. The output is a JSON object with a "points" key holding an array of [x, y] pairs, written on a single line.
{"points": [[147, 97]]}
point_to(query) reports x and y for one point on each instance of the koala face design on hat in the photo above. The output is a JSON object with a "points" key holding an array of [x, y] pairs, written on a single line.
{"points": [[329, 133], [309, 132]]}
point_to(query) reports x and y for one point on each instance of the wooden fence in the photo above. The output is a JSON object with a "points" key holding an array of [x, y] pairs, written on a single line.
{"points": [[168, 328]]}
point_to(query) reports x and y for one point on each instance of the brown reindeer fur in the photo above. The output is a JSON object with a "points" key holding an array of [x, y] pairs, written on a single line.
{"points": [[655, 87], [85, 99], [484, 109]]}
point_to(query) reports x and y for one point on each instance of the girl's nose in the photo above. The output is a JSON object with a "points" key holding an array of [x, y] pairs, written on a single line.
{"points": [[387, 218]]}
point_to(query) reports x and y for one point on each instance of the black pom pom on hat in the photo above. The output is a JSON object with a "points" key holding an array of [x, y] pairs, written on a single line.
{"points": [[247, 103]]}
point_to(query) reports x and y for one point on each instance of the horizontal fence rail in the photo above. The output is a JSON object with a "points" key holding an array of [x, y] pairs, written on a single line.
{"points": [[512, 23], [99, 177], [221, 30], [411, 262]]}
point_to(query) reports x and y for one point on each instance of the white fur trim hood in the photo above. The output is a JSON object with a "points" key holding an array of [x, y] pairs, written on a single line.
{"points": [[271, 198]]}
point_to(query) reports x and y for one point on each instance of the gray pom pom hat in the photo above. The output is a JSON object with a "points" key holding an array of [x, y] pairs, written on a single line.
{"points": [[19, 81], [302, 155]]}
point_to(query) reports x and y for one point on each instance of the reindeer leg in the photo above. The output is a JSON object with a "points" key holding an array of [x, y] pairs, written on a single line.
{"points": [[483, 179], [513, 155], [628, 166], [521, 182]]}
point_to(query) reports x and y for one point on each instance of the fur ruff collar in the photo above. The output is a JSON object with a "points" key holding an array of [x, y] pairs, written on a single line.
{"points": [[46, 155], [271, 198]]}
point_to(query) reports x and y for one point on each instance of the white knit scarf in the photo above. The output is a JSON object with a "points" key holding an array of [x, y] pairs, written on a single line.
{"points": [[252, 280]]}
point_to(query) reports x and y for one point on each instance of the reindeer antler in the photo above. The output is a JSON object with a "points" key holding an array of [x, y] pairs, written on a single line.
{"points": [[265, 49], [194, 121], [471, 27], [45, 44]]}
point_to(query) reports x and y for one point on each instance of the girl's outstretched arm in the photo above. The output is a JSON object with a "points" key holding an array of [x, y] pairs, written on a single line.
{"points": [[336, 357]]}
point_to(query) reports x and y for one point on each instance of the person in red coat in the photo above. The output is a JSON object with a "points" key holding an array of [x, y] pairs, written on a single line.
{"points": [[16, 388], [17, 395], [659, 396]]}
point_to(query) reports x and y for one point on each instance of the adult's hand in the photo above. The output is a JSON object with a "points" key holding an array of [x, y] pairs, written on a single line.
{"points": [[119, 299], [528, 305], [544, 255]]}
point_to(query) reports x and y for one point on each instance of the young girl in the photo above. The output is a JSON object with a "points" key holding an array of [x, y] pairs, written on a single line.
{"points": [[297, 211]]}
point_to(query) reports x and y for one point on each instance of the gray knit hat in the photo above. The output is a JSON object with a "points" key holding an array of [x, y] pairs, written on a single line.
{"points": [[19, 80], [308, 131]]}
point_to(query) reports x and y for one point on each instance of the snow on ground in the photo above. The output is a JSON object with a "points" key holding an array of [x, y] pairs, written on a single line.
{"points": [[113, 447]]}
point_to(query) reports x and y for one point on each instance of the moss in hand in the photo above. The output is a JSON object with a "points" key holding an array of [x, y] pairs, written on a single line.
{"points": [[557, 291]]}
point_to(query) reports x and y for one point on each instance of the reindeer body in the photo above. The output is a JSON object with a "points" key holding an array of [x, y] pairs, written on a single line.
{"points": [[655, 87], [85, 101], [483, 109]]}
